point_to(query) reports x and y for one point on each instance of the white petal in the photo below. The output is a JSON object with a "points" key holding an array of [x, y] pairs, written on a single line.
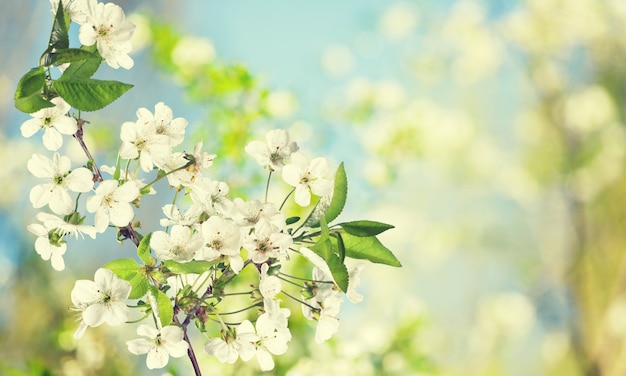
{"points": [[265, 360], [139, 346], [60, 201], [291, 174], [57, 261], [40, 166], [127, 192], [52, 139], [30, 127], [147, 331], [65, 125], [121, 213], [157, 358], [79, 180], [302, 195], [40, 195]]}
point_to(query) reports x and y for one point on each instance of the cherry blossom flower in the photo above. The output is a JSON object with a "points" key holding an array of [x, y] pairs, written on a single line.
{"points": [[141, 140], [175, 217], [54, 122], [269, 285], [221, 237], [76, 9], [275, 152], [354, 280], [111, 203], [236, 343], [48, 245], [101, 300], [307, 177], [328, 323], [211, 195], [165, 123], [266, 242], [71, 224], [249, 213], [55, 193], [162, 344], [180, 246], [194, 165], [106, 26], [273, 339]]}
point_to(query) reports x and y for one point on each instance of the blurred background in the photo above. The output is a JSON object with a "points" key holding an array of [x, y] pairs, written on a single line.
{"points": [[490, 133]]}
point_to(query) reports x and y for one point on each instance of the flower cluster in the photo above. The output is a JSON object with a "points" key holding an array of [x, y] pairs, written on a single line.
{"points": [[189, 267]]}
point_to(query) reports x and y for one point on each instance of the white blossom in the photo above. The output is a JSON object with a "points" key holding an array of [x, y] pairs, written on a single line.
{"points": [[106, 26], [180, 246], [48, 246], [175, 217], [307, 177], [77, 10], [111, 203], [141, 140], [101, 300], [55, 193], [273, 339], [54, 122], [237, 343], [162, 344], [266, 242], [275, 152], [269, 285], [249, 213], [211, 195], [221, 237]]}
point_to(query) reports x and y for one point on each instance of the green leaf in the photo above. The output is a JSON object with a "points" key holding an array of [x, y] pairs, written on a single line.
{"points": [[59, 37], [128, 270], [365, 228], [195, 267], [324, 249], [139, 285], [340, 194], [83, 68], [70, 55], [89, 94], [368, 248], [165, 311], [341, 248], [27, 96], [292, 220], [125, 268], [143, 250]]}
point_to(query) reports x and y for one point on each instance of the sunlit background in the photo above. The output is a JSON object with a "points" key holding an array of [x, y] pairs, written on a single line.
{"points": [[490, 133]]}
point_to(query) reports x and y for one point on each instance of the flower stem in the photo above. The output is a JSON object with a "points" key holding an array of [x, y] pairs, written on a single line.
{"points": [[267, 185], [190, 353], [97, 176]]}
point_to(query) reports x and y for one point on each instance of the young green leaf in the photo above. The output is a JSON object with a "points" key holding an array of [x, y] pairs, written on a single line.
{"points": [[89, 94], [70, 55], [165, 310], [125, 268], [139, 286], [341, 248], [292, 220], [324, 249], [28, 92], [83, 68], [143, 250], [195, 267], [368, 248], [340, 193], [59, 37], [365, 228]]}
